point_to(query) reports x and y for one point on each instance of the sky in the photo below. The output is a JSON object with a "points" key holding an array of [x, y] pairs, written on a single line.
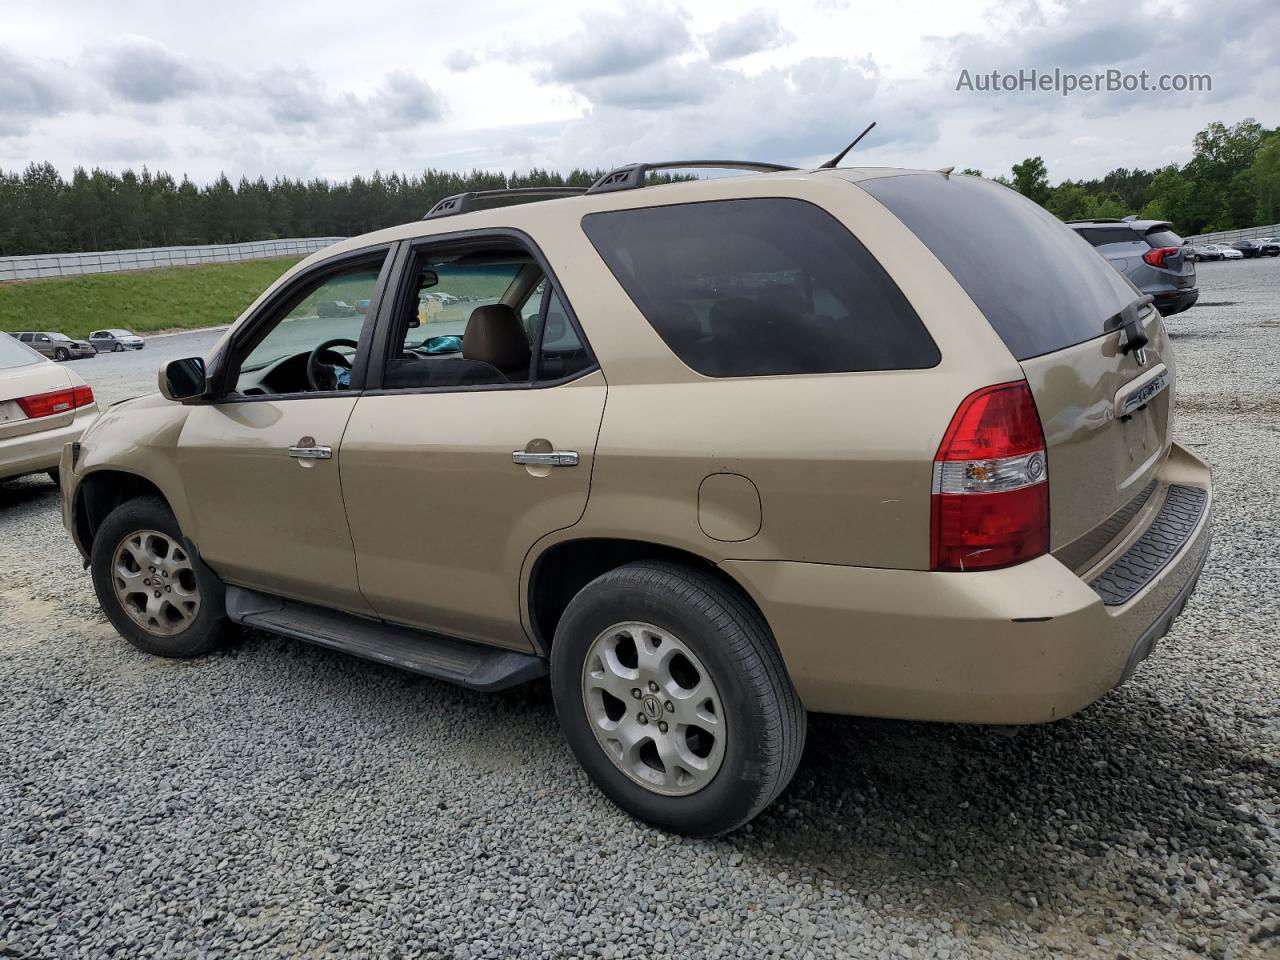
{"points": [[331, 89]]}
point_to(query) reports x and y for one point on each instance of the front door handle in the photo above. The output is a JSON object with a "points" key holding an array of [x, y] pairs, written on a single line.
{"points": [[311, 453], [556, 458]]}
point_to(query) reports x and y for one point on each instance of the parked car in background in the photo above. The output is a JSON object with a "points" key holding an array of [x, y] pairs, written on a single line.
{"points": [[1248, 248], [115, 340], [57, 346], [335, 308], [1230, 253], [1269, 246], [42, 408], [1150, 254], [1208, 251], [1002, 538]]}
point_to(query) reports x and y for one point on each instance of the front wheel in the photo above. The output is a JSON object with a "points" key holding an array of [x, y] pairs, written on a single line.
{"points": [[61, 354], [117, 348], [159, 596], [674, 698]]}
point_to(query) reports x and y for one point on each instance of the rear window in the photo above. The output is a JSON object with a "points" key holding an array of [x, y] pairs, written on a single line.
{"points": [[14, 354], [1163, 237], [760, 287], [1102, 235], [1041, 289]]}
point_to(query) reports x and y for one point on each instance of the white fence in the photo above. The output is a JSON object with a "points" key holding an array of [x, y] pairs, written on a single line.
{"points": [[112, 261], [1231, 236]]}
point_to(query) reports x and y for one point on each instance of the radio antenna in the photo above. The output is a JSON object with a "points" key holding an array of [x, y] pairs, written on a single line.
{"points": [[840, 156]]}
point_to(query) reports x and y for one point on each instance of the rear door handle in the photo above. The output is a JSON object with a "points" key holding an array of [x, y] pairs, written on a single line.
{"points": [[556, 458], [311, 453]]}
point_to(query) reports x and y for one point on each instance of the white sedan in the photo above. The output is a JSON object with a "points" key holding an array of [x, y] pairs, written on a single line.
{"points": [[1230, 253], [43, 405]]}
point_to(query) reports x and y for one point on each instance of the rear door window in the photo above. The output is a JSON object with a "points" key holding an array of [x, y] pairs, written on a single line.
{"points": [[1039, 287], [760, 287]]}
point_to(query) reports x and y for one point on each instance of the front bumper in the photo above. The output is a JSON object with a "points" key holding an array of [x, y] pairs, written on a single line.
{"points": [[40, 451], [1027, 644]]}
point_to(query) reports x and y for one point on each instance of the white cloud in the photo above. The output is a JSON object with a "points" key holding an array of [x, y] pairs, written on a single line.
{"points": [[317, 90]]}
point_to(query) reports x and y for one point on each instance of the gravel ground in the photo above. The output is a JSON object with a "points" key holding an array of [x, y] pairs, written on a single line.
{"points": [[279, 800]]}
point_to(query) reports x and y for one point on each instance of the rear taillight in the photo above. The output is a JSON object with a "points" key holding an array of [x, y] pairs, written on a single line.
{"points": [[1156, 256], [58, 401], [990, 503]]}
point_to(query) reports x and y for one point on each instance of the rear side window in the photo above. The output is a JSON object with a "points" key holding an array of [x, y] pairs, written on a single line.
{"points": [[760, 287], [1163, 237], [1039, 287]]}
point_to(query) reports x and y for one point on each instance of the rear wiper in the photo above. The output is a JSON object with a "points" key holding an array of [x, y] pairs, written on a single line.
{"points": [[1129, 322]]}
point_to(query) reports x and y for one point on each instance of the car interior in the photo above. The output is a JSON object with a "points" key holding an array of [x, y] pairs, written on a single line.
{"points": [[469, 317]]}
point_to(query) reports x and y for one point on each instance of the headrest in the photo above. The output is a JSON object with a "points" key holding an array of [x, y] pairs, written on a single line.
{"points": [[496, 336]]}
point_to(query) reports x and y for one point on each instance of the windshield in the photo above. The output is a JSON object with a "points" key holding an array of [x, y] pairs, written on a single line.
{"points": [[1041, 287], [58, 336], [14, 354]]}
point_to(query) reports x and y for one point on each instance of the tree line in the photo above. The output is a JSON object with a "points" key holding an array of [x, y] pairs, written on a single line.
{"points": [[40, 212], [1232, 180]]}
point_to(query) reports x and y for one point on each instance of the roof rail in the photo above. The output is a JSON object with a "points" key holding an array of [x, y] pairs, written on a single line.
{"points": [[1099, 220], [632, 176], [466, 202]]}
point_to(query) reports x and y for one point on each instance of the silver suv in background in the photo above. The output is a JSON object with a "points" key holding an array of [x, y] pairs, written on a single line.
{"points": [[1150, 254], [56, 346]]}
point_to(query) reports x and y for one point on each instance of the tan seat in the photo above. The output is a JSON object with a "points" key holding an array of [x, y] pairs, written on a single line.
{"points": [[495, 336]]}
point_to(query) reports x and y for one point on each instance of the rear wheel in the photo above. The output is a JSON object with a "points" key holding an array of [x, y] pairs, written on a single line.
{"points": [[152, 589], [674, 698]]}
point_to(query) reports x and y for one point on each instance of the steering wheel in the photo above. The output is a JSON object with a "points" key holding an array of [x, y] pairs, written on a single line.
{"points": [[319, 360]]}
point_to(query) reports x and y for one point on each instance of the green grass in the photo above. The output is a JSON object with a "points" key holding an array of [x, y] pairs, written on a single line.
{"points": [[144, 301]]}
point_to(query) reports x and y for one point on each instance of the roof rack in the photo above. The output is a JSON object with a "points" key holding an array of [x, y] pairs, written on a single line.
{"points": [[1099, 220], [465, 202], [632, 176]]}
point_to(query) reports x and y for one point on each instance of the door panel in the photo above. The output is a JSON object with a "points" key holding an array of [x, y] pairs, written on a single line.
{"points": [[266, 519], [442, 517]]}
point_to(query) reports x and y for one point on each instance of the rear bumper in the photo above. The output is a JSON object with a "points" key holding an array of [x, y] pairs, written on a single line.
{"points": [[1026, 644], [1175, 301], [40, 451]]}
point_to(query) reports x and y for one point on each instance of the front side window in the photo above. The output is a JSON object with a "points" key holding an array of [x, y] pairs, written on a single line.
{"points": [[760, 287], [311, 346], [482, 317]]}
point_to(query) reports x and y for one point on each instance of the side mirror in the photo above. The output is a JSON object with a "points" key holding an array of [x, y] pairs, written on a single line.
{"points": [[182, 380]]}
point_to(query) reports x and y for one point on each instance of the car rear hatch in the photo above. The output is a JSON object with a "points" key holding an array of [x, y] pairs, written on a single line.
{"points": [[37, 379], [1059, 307], [1168, 253]]}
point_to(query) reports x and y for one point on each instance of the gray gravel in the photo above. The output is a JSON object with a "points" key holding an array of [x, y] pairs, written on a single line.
{"points": [[279, 800]]}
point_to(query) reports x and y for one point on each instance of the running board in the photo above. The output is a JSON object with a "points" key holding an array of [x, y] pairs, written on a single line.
{"points": [[472, 665]]}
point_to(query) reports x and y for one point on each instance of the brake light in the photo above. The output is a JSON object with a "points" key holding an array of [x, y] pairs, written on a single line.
{"points": [[55, 402], [990, 505], [1156, 256]]}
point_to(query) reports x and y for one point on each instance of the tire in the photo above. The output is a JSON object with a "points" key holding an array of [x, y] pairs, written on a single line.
{"points": [[117, 348], [55, 477], [61, 354], [177, 630], [761, 720]]}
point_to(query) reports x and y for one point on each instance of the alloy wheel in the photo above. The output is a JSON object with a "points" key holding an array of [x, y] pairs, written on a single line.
{"points": [[155, 582], [654, 708]]}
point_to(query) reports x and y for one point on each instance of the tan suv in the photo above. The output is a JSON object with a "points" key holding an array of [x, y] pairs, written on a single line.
{"points": [[711, 454]]}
